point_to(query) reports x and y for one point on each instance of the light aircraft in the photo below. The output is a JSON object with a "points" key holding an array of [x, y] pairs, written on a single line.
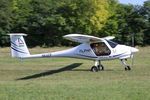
{"points": [[91, 47]]}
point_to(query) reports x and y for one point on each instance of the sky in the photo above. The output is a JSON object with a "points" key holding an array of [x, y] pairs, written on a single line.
{"points": [[134, 2]]}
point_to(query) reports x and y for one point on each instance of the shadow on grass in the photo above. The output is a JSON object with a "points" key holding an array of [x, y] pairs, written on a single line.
{"points": [[90, 70], [69, 67]]}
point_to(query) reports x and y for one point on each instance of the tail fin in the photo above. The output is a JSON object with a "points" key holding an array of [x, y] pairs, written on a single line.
{"points": [[18, 46]]}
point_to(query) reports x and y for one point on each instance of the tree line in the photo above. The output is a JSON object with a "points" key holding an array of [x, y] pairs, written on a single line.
{"points": [[46, 21]]}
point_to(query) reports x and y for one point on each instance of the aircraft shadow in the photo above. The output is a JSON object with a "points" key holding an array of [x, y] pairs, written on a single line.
{"points": [[89, 70], [50, 72]]}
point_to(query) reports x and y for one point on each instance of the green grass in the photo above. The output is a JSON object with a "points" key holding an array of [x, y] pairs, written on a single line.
{"points": [[64, 79]]}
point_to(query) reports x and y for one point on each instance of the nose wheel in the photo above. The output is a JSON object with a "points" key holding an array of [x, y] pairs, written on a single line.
{"points": [[98, 67], [126, 67]]}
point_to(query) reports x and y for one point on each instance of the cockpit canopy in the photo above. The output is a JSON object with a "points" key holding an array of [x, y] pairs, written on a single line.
{"points": [[100, 49]]}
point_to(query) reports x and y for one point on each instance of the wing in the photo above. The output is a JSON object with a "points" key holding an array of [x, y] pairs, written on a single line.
{"points": [[109, 37], [84, 38]]}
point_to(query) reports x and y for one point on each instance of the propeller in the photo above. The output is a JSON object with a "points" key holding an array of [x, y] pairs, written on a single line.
{"points": [[132, 59], [133, 50]]}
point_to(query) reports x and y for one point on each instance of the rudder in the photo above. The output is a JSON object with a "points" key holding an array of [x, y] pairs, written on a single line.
{"points": [[18, 46]]}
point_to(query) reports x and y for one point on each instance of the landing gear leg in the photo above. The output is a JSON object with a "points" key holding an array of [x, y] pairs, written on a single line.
{"points": [[97, 67], [100, 66], [126, 67]]}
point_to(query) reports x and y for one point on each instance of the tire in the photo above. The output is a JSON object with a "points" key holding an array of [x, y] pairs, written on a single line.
{"points": [[100, 67], [94, 69], [127, 68]]}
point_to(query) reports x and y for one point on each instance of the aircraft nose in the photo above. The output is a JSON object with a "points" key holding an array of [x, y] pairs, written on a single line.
{"points": [[134, 50]]}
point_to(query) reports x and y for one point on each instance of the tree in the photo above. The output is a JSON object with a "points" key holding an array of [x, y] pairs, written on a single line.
{"points": [[111, 25], [145, 12], [125, 23], [51, 20], [5, 21], [99, 15], [47, 21]]}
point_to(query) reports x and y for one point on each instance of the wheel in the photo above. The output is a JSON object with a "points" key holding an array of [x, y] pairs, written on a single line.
{"points": [[127, 68], [100, 67], [94, 69]]}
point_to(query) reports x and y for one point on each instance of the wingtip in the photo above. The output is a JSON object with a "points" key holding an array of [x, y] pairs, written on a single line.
{"points": [[109, 37]]}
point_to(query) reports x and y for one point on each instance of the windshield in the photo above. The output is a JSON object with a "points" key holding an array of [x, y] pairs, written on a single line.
{"points": [[112, 44]]}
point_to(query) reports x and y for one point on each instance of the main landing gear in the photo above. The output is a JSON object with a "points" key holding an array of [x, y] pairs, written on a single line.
{"points": [[126, 67], [98, 67]]}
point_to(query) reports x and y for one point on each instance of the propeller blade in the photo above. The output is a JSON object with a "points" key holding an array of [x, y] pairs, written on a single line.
{"points": [[132, 60]]}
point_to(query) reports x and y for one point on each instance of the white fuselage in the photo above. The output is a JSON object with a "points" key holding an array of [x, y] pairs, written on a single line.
{"points": [[84, 51]]}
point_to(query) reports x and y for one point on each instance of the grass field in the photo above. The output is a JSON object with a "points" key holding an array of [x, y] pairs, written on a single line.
{"points": [[71, 79]]}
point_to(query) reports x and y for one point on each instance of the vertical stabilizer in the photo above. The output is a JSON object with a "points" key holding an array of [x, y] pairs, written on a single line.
{"points": [[18, 46]]}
